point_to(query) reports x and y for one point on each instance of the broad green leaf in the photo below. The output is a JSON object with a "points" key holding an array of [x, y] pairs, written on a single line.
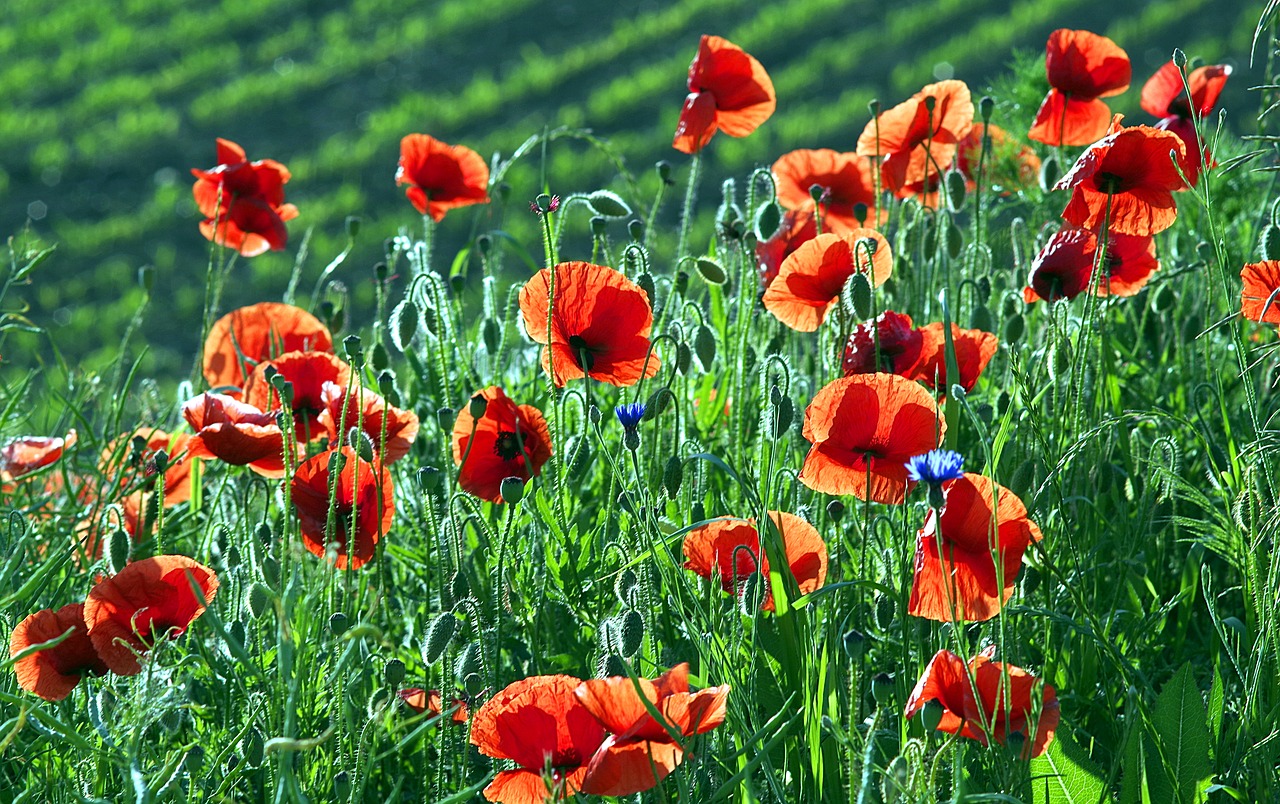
{"points": [[1217, 701], [1064, 774], [1182, 735]]}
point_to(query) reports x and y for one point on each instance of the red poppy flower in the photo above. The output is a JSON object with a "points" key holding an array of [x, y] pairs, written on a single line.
{"points": [[243, 202], [956, 577], [147, 600], [600, 328], [420, 700], [243, 338], [1261, 282], [27, 454], [1131, 170], [914, 141], [52, 673], [537, 722], [891, 337], [927, 192], [401, 426], [1000, 695], [847, 180], [509, 440], [810, 280], [863, 430], [640, 751], [130, 465], [360, 490], [235, 432], [728, 91], [1009, 165], [1063, 268], [441, 177], [308, 372], [729, 550], [1163, 96], [797, 229], [974, 350], [1082, 68]]}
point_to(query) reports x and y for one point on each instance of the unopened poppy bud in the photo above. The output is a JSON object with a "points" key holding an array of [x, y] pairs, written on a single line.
{"points": [[236, 632], [355, 353], [1179, 58], [632, 632], [749, 594], [664, 172], [610, 665], [768, 219], [337, 462], [856, 296], [468, 662], [353, 225], [885, 611], [835, 510], [645, 281], [855, 644], [512, 490], [682, 281], [1050, 172], [1165, 298], [253, 748], [625, 503], [599, 225], [711, 271], [704, 346], [698, 512], [491, 331], [378, 357], [981, 319], [333, 316], [956, 189], [1016, 739], [271, 571], [147, 277], [1030, 579], [171, 720], [873, 106], [684, 358], [194, 759], [393, 672], [457, 283], [860, 211], [484, 244], [625, 585], [985, 107], [658, 403], [635, 228], [232, 557], [882, 688], [363, 445], [672, 475], [1014, 328], [259, 600], [593, 414], [341, 786]]}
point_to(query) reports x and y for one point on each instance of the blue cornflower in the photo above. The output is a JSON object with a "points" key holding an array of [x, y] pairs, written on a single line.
{"points": [[935, 466], [630, 414]]}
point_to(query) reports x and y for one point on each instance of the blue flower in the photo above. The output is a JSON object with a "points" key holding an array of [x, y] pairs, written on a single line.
{"points": [[629, 415], [935, 466]]}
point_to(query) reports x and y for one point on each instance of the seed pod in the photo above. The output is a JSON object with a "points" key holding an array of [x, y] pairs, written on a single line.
{"points": [[882, 688], [259, 599], [664, 171], [599, 225], [835, 510], [704, 346], [931, 715], [439, 635], [855, 644], [672, 475], [511, 490], [632, 632], [338, 623], [711, 271]]}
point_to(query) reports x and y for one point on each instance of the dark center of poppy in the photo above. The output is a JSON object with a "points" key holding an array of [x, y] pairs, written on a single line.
{"points": [[507, 446], [1110, 183], [582, 354]]}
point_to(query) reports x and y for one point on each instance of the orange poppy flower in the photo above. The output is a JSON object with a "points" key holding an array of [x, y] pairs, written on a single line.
{"points": [[308, 372], [915, 142], [640, 751], [509, 440], [1131, 170], [863, 430], [955, 575], [130, 465], [441, 177], [537, 722], [1063, 268], [1261, 281], [797, 229], [1163, 96], [600, 328], [27, 454], [361, 489], [147, 600], [892, 338], [243, 202], [846, 179], [810, 280], [728, 91], [243, 338], [54, 672], [401, 425], [235, 432], [1082, 67], [1010, 165], [420, 700], [974, 350], [1005, 704], [729, 550]]}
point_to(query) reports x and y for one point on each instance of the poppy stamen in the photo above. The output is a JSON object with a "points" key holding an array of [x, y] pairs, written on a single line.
{"points": [[582, 353], [508, 446]]}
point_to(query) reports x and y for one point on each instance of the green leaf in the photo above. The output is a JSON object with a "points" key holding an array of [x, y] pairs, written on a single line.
{"points": [[1064, 774], [1181, 733], [1217, 701]]}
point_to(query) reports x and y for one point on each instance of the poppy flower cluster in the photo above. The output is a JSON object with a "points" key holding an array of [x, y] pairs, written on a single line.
{"points": [[1064, 268], [810, 279], [246, 337], [122, 619], [729, 91], [493, 439], [847, 182], [440, 176], [1003, 703], [729, 551], [917, 140], [1165, 97], [243, 202], [1082, 68], [890, 344], [595, 737]]}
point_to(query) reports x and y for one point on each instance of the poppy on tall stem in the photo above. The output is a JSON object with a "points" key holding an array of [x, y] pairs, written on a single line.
{"points": [[1082, 67], [308, 373], [362, 509], [441, 177], [243, 201], [729, 91], [810, 280], [237, 433], [240, 340], [847, 181], [493, 439], [729, 551], [1064, 268], [1164, 96], [918, 138]]}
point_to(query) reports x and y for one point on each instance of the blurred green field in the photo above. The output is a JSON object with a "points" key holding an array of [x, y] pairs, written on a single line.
{"points": [[108, 105]]}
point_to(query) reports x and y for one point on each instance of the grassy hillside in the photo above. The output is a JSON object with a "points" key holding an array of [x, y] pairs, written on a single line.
{"points": [[109, 105]]}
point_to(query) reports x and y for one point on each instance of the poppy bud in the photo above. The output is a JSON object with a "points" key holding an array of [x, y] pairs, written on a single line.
{"points": [[1014, 327], [658, 403], [608, 204], [711, 271], [1179, 58], [856, 296], [259, 600], [492, 333], [664, 172], [284, 388], [381, 271], [632, 632], [445, 417], [512, 490], [1016, 739], [430, 478], [1165, 298], [429, 319], [885, 611], [645, 281], [457, 283], [610, 665], [635, 228], [353, 226], [338, 623], [593, 414], [477, 406], [855, 644], [232, 557], [768, 219], [473, 684], [118, 549], [672, 475], [194, 759], [271, 571], [698, 512], [1061, 365], [264, 534], [236, 632], [459, 586], [625, 585], [337, 462], [468, 663], [882, 688], [1031, 578], [780, 418], [599, 225], [171, 720], [253, 748], [341, 786], [985, 107], [873, 106], [1050, 172], [749, 599], [981, 319], [439, 634], [704, 346], [835, 510], [956, 189], [624, 502], [355, 355], [684, 358], [147, 277], [579, 450], [393, 672], [930, 102], [387, 386], [682, 281]]}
